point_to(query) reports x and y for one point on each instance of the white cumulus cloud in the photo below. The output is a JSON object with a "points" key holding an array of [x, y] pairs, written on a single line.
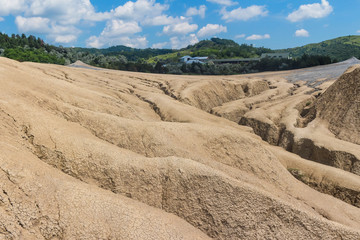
{"points": [[161, 20], [62, 21], [177, 43], [140, 9], [94, 42], [146, 12], [65, 12], [39, 25], [223, 2], [211, 29], [240, 36], [11, 7], [126, 22], [65, 38], [119, 32], [159, 45], [101, 41], [180, 28], [315, 10], [33, 24], [302, 33], [116, 28], [258, 37], [58, 19], [193, 11], [244, 14]]}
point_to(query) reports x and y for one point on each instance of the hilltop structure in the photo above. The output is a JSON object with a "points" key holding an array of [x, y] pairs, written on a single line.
{"points": [[190, 60]]}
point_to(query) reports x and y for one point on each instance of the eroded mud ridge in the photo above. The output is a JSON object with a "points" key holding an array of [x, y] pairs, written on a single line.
{"points": [[310, 121], [98, 154]]}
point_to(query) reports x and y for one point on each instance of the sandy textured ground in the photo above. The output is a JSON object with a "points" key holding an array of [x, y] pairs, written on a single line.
{"points": [[100, 154]]}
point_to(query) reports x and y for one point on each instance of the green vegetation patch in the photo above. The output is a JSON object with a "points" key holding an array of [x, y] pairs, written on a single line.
{"points": [[339, 49], [32, 55]]}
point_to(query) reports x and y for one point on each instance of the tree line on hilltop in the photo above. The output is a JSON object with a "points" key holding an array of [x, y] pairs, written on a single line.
{"points": [[30, 48]]}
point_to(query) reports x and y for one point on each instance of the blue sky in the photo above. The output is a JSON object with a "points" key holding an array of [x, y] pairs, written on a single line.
{"points": [[176, 24]]}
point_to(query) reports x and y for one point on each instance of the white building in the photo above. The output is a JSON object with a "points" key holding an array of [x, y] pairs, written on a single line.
{"points": [[190, 60]]}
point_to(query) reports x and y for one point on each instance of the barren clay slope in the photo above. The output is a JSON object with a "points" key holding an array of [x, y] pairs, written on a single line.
{"points": [[340, 106], [99, 154]]}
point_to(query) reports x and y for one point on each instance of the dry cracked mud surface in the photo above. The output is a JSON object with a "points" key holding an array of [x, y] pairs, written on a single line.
{"points": [[98, 154]]}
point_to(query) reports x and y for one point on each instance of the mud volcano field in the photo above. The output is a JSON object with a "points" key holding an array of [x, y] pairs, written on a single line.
{"points": [[98, 154]]}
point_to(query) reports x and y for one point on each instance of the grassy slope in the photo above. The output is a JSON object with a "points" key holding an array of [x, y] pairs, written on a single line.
{"points": [[341, 48], [165, 57], [214, 48]]}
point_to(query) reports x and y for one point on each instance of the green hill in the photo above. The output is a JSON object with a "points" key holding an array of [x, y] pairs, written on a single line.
{"points": [[215, 48], [30, 48], [132, 54], [224, 48], [23, 48], [341, 48]]}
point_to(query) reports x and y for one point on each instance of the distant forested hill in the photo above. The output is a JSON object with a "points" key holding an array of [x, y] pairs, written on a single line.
{"points": [[132, 54], [31, 48], [224, 48], [215, 48], [23, 48], [341, 48]]}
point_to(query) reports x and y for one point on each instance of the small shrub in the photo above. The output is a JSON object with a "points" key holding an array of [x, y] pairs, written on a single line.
{"points": [[298, 174]]}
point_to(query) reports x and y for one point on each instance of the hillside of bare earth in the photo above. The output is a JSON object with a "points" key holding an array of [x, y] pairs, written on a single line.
{"points": [[340, 106], [102, 154]]}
